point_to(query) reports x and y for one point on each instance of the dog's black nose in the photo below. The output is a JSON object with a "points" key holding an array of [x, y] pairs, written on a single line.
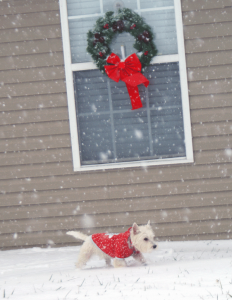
{"points": [[154, 246]]}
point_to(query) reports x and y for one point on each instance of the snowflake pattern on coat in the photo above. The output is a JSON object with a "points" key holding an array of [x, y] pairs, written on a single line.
{"points": [[116, 246]]}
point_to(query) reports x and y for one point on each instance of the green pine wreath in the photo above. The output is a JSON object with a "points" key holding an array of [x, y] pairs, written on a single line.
{"points": [[100, 38]]}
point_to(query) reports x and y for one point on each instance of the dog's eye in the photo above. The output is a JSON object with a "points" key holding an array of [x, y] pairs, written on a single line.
{"points": [[146, 239]]}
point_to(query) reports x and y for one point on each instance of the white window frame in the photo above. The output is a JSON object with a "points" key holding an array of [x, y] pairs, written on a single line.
{"points": [[70, 68]]}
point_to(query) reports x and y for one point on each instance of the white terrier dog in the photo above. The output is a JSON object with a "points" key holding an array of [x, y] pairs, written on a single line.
{"points": [[135, 241]]}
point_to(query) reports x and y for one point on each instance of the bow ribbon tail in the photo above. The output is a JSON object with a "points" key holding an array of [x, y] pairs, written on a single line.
{"points": [[133, 92], [132, 83]]}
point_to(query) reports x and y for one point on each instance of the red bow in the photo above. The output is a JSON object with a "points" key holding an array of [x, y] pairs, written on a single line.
{"points": [[129, 72]]}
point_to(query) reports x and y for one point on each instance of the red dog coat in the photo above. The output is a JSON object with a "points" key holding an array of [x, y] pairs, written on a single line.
{"points": [[118, 245]]}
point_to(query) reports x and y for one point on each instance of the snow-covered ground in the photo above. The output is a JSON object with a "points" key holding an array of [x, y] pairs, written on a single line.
{"points": [[176, 270]]}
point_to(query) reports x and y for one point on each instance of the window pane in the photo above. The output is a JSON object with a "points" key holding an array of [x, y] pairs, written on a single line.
{"points": [[164, 87], [109, 131], [78, 29], [155, 3], [92, 92], [132, 135], [109, 5], [95, 138], [166, 110], [83, 7], [164, 28]]}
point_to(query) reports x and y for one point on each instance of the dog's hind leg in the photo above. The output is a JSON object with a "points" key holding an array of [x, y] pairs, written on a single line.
{"points": [[85, 254], [118, 263]]}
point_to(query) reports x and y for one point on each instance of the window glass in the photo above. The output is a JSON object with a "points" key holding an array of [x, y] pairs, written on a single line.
{"points": [[109, 131], [78, 29], [155, 3], [83, 7], [164, 28]]}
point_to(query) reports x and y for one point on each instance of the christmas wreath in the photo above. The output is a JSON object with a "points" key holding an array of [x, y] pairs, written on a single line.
{"points": [[129, 71]]}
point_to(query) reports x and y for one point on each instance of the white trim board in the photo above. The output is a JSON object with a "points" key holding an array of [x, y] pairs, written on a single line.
{"points": [[159, 59], [136, 164]]}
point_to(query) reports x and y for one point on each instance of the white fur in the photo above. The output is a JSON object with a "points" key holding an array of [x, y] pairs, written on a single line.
{"points": [[137, 235]]}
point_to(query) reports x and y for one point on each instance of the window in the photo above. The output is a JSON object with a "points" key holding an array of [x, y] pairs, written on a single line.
{"points": [[105, 132]]}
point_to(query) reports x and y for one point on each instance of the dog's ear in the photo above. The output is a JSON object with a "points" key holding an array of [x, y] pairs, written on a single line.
{"points": [[135, 228], [149, 223]]}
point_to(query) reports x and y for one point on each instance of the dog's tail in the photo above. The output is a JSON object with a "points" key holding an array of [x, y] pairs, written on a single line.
{"points": [[77, 235]]}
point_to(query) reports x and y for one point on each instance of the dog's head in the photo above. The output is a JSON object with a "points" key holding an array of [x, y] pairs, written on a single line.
{"points": [[142, 238]]}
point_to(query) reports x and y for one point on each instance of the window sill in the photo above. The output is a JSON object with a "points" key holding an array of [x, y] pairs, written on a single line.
{"points": [[133, 164]]}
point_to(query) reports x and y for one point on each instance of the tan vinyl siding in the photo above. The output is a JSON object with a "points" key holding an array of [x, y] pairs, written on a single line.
{"points": [[40, 195]]}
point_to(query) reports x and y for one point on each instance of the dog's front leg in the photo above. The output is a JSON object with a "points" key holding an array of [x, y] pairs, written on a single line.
{"points": [[139, 257]]}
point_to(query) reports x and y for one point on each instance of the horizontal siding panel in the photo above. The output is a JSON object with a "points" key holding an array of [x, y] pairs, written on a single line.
{"points": [[33, 102], [208, 44], [59, 238], [27, 144], [52, 182], [31, 75], [135, 189], [215, 129], [31, 61], [36, 157], [118, 219], [71, 195], [197, 237], [31, 47], [196, 186], [207, 16], [113, 206], [213, 227], [30, 20], [38, 170], [34, 129], [210, 86], [207, 30], [54, 196], [209, 73], [32, 88], [209, 59], [33, 116], [139, 176], [211, 115], [166, 174], [31, 33], [36, 239], [189, 5], [210, 101], [212, 157], [27, 6], [213, 143]]}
